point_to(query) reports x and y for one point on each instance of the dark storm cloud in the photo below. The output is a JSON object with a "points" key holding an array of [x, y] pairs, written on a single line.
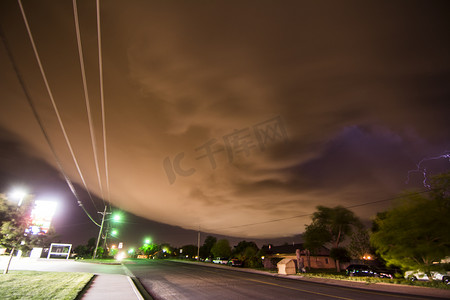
{"points": [[360, 88]]}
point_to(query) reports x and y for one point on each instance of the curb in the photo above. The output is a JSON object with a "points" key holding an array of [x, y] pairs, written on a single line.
{"points": [[138, 288], [398, 289], [85, 288], [135, 289]]}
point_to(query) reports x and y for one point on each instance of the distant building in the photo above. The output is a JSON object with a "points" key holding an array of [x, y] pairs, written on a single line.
{"points": [[321, 260]]}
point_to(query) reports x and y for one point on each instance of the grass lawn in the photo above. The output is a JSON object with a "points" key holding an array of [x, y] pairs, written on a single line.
{"points": [[42, 285], [341, 276]]}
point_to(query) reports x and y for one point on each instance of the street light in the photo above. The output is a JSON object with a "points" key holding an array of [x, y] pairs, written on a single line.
{"points": [[116, 217], [18, 194]]}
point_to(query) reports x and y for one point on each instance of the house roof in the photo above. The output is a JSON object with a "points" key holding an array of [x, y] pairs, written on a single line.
{"points": [[291, 249]]}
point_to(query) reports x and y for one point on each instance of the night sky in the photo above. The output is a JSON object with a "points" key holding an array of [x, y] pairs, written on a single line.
{"points": [[235, 117]]}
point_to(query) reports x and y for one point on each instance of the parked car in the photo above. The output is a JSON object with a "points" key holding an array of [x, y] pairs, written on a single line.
{"points": [[361, 270], [219, 260], [235, 263], [385, 273], [438, 275]]}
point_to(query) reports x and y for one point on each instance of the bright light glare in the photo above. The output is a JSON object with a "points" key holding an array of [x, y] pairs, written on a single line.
{"points": [[148, 241], [130, 251], [117, 217], [120, 256], [114, 232], [18, 194], [41, 216]]}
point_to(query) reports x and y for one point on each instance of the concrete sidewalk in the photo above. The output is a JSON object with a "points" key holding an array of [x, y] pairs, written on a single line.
{"points": [[109, 282], [111, 287]]}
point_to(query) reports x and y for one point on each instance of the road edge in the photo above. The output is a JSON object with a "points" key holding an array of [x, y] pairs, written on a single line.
{"points": [[398, 289], [136, 284]]}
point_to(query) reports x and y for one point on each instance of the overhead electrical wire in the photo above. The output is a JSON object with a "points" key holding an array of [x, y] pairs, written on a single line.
{"points": [[310, 214], [86, 97], [102, 100], [39, 121], [44, 76]]}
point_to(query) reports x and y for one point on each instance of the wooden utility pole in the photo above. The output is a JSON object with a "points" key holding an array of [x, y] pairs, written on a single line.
{"points": [[198, 244], [104, 213]]}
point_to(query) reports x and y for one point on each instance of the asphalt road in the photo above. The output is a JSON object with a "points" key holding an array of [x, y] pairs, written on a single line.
{"points": [[174, 280]]}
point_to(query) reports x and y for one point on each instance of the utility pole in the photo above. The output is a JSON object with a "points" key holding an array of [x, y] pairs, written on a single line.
{"points": [[104, 213], [198, 244]]}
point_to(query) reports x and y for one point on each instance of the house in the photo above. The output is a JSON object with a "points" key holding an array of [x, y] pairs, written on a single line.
{"points": [[320, 260]]}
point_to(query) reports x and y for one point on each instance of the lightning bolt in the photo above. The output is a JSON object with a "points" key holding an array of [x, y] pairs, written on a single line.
{"points": [[423, 170]]}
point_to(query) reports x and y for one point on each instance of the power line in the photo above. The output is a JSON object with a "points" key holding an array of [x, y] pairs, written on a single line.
{"points": [[310, 214], [39, 121], [86, 96], [52, 100], [102, 100]]}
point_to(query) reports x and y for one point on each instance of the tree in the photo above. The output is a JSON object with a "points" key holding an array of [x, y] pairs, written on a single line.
{"points": [[315, 236], [100, 252], [340, 254], [330, 225], [15, 220], [250, 257], [149, 249], [92, 242], [189, 250], [5, 210], [87, 250], [242, 246], [221, 248], [113, 252], [205, 250], [81, 251], [360, 244], [247, 252], [414, 233]]}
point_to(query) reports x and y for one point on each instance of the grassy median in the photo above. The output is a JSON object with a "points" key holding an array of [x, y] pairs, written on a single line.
{"points": [[42, 285]]}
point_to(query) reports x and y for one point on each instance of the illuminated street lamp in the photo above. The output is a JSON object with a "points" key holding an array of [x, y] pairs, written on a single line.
{"points": [[116, 217], [18, 194], [148, 241]]}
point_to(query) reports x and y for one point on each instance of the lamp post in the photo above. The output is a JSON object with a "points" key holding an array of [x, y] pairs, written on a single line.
{"points": [[19, 194]]}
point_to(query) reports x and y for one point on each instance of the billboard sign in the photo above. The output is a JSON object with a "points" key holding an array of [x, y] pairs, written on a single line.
{"points": [[41, 217]]}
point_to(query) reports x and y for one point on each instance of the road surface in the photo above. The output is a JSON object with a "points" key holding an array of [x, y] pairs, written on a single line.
{"points": [[174, 280]]}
